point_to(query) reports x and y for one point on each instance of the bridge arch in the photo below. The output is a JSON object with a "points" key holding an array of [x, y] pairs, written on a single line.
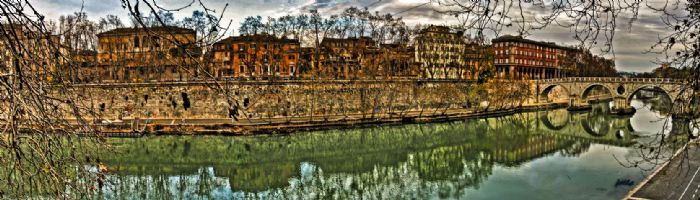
{"points": [[636, 89], [545, 91], [588, 88]]}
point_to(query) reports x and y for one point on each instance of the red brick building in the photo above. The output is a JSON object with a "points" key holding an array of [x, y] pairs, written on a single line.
{"points": [[519, 58], [260, 56]]}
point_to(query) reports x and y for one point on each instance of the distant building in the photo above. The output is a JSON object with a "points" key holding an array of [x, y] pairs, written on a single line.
{"points": [[38, 54], [441, 53], [519, 58], [260, 56], [398, 61], [147, 54], [348, 58], [86, 62], [479, 61]]}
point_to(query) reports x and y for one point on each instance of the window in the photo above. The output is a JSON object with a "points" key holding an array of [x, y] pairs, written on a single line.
{"points": [[156, 41], [144, 40], [290, 57], [136, 42]]}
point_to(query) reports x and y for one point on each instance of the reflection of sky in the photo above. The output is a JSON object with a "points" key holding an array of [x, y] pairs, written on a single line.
{"points": [[592, 175], [647, 122]]}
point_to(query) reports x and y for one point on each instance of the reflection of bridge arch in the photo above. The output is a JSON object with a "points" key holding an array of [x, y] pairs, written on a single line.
{"points": [[587, 89], [597, 122], [548, 123], [585, 123]]}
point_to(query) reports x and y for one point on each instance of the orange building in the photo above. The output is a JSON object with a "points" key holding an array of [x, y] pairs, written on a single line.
{"points": [[260, 56], [398, 61], [86, 61], [480, 60], [33, 52], [147, 54]]}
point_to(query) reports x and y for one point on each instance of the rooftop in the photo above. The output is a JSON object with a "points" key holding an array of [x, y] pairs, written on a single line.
{"points": [[257, 37], [169, 29], [511, 38]]}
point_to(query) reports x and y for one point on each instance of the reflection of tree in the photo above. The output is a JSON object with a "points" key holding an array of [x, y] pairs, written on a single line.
{"points": [[453, 163], [575, 149], [200, 185], [597, 122]]}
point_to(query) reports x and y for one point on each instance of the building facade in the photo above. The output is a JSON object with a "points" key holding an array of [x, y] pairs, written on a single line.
{"points": [[348, 58], [480, 61], [519, 58], [260, 56], [147, 54], [398, 61], [441, 53], [33, 55]]}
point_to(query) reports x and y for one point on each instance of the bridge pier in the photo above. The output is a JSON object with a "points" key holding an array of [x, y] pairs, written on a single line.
{"points": [[576, 104], [680, 125], [622, 107]]}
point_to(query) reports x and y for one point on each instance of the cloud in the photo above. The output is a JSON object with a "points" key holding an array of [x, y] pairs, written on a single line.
{"points": [[629, 45]]}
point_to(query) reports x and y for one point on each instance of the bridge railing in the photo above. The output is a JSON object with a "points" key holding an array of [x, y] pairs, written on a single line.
{"points": [[612, 79]]}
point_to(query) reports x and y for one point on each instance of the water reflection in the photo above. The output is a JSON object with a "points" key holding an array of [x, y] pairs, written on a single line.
{"points": [[565, 154]]}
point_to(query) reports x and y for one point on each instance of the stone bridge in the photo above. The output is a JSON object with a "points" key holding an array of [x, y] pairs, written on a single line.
{"points": [[621, 90]]}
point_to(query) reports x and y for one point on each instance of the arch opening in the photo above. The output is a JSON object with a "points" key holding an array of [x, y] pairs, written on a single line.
{"points": [[652, 98], [596, 92], [554, 93]]}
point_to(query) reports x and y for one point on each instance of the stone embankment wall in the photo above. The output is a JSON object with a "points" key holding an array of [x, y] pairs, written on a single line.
{"points": [[263, 99]]}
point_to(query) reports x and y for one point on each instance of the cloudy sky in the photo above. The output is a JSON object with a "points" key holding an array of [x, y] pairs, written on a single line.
{"points": [[630, 45]]}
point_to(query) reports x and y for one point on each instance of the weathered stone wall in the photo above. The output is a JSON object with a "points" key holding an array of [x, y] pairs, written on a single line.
{"points": [[259, 99]]}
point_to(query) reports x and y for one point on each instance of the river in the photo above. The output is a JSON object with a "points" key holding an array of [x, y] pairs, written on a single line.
{"points": [[552, 154]]}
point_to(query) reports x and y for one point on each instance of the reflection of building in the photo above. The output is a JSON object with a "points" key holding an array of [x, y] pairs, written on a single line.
{"points": [[519, 58], [147, 54], [256, 56]]}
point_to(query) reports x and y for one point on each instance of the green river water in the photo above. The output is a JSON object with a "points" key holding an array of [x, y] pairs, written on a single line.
{"points": [[552, 154]]}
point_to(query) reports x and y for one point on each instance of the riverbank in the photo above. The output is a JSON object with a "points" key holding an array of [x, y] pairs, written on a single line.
{"points": [[675, 179], [285, 125]]}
